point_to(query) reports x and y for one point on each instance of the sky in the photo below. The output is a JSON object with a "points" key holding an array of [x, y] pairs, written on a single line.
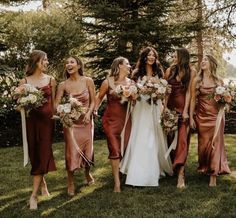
{"points": [[34, 5]]}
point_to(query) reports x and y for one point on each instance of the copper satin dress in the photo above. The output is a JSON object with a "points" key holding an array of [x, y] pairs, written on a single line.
{"points": [[113, 121], [40, 128], [211, 161], [176, 102], [83, 134]]}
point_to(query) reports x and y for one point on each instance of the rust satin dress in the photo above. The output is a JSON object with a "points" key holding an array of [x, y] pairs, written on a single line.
{"points": [[176, 102], [83, 134], [40, 128], [211, 161], [113, 121]]}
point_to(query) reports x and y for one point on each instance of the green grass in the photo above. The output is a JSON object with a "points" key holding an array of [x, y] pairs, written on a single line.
{"points": [[98, 200]]}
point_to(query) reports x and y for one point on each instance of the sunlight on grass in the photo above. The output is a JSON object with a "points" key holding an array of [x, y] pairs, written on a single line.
{"points": [[98, 200]]}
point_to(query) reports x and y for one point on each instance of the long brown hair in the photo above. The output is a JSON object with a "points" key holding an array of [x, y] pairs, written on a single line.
{"points": [[33, 60], [115, 70], [182, 65], [140, 70], [213, 69], [80, 63]]}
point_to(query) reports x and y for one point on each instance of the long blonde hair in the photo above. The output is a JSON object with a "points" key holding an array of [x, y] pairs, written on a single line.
{"points": [[115, 70], [213, 70]]}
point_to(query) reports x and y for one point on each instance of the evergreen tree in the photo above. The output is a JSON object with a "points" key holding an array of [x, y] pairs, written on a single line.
{"points": [[122, 27]]}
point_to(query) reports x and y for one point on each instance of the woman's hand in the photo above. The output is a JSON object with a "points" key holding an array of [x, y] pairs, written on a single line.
{"points": [[192, 123], [87, 118], [185, 116]]}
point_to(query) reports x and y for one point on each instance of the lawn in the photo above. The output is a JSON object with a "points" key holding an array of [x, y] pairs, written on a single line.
{"points": [[98, 200]]}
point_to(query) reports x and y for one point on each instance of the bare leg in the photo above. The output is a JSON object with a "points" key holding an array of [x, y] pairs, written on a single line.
{"points": [[44, 188], [116, 174], [181, 179], [212, 182], [37, 179], [70, 183], [88, 176]]}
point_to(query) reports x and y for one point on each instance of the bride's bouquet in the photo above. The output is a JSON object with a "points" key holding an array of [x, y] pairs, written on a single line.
{"points": [[28, 97], [225, 95], [154, 88], [127, 92], [70, 111], [169, 120]]}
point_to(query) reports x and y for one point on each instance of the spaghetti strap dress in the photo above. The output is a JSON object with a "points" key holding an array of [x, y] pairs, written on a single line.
{"points": [[40, 129]]}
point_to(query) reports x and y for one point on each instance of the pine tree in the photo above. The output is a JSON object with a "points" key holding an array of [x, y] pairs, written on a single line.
{"points": [[123, 28]]}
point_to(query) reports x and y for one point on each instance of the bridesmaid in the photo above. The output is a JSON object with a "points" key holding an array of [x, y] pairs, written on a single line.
{"points": [[82, 88], [39, 125], [212, 160], [115, 113], [180, 76]]}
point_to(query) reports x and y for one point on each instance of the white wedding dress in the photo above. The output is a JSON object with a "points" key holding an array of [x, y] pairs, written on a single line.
{"points": [[144, 160]]}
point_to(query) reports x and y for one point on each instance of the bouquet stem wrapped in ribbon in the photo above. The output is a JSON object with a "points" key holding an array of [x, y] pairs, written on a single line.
{"points": [[27, 98]]}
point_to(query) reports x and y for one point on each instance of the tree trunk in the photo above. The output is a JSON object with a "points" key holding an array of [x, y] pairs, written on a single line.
{"points": [[199, 32]]}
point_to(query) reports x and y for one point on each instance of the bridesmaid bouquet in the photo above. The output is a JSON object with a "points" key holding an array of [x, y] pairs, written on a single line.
{"points": [[225, 95], [154, 88], [127, 92], [28, 97], [70, 111], [169, 120]]}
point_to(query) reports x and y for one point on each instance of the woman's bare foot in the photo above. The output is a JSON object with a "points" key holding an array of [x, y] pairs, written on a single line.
{"points": [[44, 188], [71, 189], [212, 182], [89, 177], [33, 203], [116, 189], [181, 179]]}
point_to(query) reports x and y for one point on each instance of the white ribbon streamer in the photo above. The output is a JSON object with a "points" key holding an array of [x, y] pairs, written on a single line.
{"points": [[89, 162], [24, 137], [217, 126], [122, 135], [173, 145]]}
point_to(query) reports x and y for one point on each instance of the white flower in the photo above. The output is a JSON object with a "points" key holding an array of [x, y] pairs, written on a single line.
{"points": [[153, 95], [133, 89], [67, 108], [32, 98], [220, 90], [139, 85], [23, 100], [164, 82], [162, 90], [156, 85], [30, 88], [118, 89], [149, 84]]}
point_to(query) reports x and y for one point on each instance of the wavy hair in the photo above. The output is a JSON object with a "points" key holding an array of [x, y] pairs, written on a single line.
{"points": [[140, 69], [33, 60], [213, 69], [115, 70], [182, 65]]}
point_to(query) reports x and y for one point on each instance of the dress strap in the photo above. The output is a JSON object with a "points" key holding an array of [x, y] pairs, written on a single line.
{"points": [[25, 80], [50, 81]]}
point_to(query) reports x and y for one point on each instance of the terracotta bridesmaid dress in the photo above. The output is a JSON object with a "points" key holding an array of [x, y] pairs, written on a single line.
{"points": [[40, 128], [211, 161], [83, 134], [113, 121], [176, 102]]}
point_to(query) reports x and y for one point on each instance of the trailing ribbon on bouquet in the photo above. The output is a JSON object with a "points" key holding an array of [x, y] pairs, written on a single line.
{"points": [[173, 145], [89, 162], [122, 135], [24, 137], [217, 126]]}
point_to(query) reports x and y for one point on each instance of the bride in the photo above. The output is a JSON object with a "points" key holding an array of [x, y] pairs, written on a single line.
{"points": [[144, 160]]}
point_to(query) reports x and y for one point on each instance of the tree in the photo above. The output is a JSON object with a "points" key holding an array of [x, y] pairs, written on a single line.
{"points": [[124, 27]]}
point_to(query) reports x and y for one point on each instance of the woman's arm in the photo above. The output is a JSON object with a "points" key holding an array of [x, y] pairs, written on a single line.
{"points": [[166, 77], [185, 114], [59, 94], [192, 103], [102, 92]]}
